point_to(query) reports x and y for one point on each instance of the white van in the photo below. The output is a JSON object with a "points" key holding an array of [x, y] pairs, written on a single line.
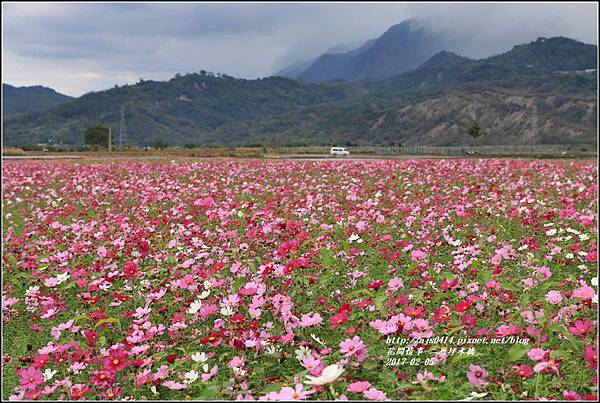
{"points": [[339, 151]]}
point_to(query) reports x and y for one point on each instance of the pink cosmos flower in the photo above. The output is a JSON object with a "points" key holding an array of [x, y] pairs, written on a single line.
{"points": [[313, 365], [307, 321], [395, 284], [507, 330], [374, 394], [352, 346], [477, 375], [30, 377], [418, 255], [536, 354], [173, 385], [584, 293], [206, 377], [554, 297], [296, 393], [358, 387], [549, 365]]}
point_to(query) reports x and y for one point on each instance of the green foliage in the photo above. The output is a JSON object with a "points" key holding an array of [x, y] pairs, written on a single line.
{"points": [[474, 130], [96, 136]]}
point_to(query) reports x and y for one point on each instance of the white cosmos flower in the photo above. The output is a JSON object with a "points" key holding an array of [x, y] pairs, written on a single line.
{"points": [[594, 281], [272, 349], [303, 352], [475, 395], [227, 311], [239, 371], [48, 374], [353, 238], [195, 307], [315, 338], [199, 357], [329, 375], [207, 284], [204, 294], [191, 376]]}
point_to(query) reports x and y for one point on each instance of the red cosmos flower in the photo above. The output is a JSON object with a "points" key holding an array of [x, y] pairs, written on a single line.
{"points": [[364, 304], [213, 337], [112, 393], [102, 378], [591, 356], [523, 371], [40, 360], [448, 284], [376, 284], [79, 391], [116, 361], [237, 319], [339, 318], [418, 312], [30, 377], [441, 315], [462, 306], [468, 320], [60, 358], [91, 337], [171, 358], [130, 270]]}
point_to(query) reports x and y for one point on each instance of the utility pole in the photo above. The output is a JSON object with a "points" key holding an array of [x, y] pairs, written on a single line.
{"points": [[122, 131], [109, 139]]}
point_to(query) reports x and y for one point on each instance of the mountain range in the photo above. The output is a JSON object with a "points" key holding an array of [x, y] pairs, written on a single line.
{"points": [[30, 99], [543, 92], [402, 47]]}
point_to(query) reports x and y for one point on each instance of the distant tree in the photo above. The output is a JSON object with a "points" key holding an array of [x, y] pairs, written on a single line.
{"points": [[474, 130], [190, 145], [96, 136], [159, 145]]}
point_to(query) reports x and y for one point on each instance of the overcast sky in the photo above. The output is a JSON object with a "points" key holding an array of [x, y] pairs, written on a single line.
{"points": [[76, 48]]}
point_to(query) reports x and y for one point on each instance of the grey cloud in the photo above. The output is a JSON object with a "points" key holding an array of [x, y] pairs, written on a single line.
{"points": [[82, 47]]}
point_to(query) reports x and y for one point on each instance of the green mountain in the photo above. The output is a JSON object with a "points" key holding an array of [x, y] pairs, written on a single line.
{"points": [[30, 99], [553, 102], [178, 111]]}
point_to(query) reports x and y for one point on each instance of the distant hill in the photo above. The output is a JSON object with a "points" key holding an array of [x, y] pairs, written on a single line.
{"points": [[180, 110], [520, 97], [402, 47], [549, 54], [30, 99]]}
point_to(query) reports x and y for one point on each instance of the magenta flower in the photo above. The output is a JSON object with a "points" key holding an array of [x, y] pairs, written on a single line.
{"points": [[30, 377]]}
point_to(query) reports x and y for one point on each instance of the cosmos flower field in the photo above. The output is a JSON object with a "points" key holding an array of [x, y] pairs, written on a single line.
{"points": [[280, 280]]}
